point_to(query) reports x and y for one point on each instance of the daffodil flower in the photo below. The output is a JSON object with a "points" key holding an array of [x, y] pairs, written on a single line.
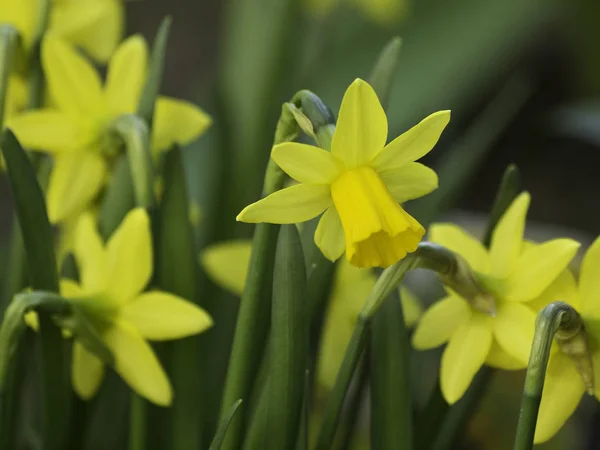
{"points": [[76, 133], [359, 184], [564, 385], [96, 26], [516, 274], [227, 264], [384, 12], [111, 297]]}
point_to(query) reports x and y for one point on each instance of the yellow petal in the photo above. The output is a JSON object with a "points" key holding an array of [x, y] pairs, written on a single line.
{"points": [[329, 235], [413, 180], [74, 182], [306, 163], [384, 12], [537, 267], [465, 354], [362, 126], [377, 230], [562, 392], [440, 321], [16, 98], [49, 130], [514, 326], [226, 263], [295, 204], [69, 288], [73, 82], [94, 25], [499, 359], [89, 254], [459, 241], [87, 372], [563, 288], [589, 281], [137, 364], [507, 238], [413, 144], [161, 316], [177, 122], [22, 15], [127, 75], [129, 256], [411, 307]]}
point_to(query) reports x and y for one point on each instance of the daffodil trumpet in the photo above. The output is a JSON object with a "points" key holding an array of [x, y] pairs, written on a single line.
{"points": [[556, 320]]}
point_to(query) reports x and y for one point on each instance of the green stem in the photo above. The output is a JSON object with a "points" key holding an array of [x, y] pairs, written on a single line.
{"points": [[556, 316], [138, 419], [9, 38]]}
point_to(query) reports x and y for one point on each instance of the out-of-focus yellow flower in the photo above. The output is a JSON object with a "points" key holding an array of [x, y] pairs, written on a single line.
{"points": [[76, 133], [384, 12], [227, 264], [96, 26], [516, 274], [111, 298], [359, 184], [564, 385]]}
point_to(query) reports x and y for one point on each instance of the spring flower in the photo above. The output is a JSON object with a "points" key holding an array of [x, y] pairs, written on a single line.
{"points": [[384, 12], [515, 274], [76, 131], [227, 265], [564, 385], [111, 297], [359, 184]]}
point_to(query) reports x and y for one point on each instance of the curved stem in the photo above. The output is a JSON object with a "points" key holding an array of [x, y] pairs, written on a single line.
{"points": [[556, 316]]}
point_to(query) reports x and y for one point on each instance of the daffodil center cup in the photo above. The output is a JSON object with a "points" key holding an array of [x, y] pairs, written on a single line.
{"points": [[377, 230]]}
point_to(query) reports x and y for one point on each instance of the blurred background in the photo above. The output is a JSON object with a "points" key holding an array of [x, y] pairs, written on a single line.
{"points": [[522, 78]]}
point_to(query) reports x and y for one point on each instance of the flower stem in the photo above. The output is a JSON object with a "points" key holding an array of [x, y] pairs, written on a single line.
{"points": [[137, 423], [554, 317]]}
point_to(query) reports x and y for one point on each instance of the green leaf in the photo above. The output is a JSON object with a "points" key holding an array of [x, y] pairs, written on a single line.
{"points": [[177, 271], [223, 426], [288, 341], [118, 198], [382, 75], [155, 73]]}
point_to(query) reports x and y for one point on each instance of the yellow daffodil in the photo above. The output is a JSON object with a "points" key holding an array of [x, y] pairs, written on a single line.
{"points": [[516, 274], [564, 385], [75, 132], [227, 264], [381, 11], [359, 184], [111, 297], [92, 25]]}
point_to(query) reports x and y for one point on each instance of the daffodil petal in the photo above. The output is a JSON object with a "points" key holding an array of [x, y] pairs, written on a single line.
{"points": [[466, 352], [329, 235], [129, 256], [563, 389], [161, 316], [362, 126], [413, 180], [439, 322], [459, 241], [89, 254], [48, 130], [137, 364], [499, 359], [306, 163], [73, 82], [227, 264], [507, 238], [96, 26], [414, 143], [563, 288], [69, 288], [411, 307], [87, 372], [589, 281], [514, 326], [126, 75], [21, 15], [295, 204], [74, 182], [537, 267], [177, 122], [16, 97]]}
